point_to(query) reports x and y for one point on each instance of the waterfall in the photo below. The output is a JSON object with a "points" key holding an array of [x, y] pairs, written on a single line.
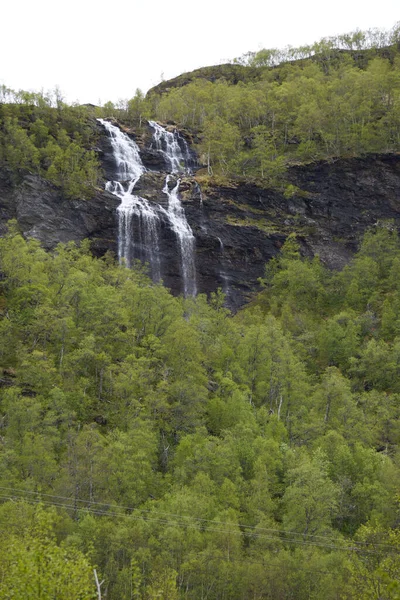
{"points": [[146, 243], [198, 193], [129, 169], [170, 145], [222, 273], [126, 154], [184, 234], [139, 222]]}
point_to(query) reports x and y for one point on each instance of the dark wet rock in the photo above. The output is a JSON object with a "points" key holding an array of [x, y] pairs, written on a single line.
{"points": [[238, 227], [45, 214]]}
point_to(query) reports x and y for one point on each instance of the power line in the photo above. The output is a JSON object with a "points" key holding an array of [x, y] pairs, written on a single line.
{"points": [[179, 523], [268, 566], [180, 517]]}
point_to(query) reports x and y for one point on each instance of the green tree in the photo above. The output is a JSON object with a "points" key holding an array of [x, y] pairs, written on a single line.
{"points": [[311, 498], [33, 566]]}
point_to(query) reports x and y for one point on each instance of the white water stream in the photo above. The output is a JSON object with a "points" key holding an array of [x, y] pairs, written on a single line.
{"points": [[129, 169], [184, 234], [146, 244], [170, 145]]}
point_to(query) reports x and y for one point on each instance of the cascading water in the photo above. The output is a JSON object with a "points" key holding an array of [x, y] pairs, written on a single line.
{"points": [[145, 244], [129, 170], [222, 273], [137, 214], [126, 154], [170, 145], [184, 234]]}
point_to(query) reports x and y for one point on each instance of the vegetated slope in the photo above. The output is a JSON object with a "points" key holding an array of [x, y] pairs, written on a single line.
{"points": [[238, 224], [185, 452], [254, 119], [253, 66], [41, 134]]}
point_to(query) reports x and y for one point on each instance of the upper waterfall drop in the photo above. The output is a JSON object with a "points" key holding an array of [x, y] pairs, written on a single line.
{"points": [[126, 153], [129, 169], [170, 144]]}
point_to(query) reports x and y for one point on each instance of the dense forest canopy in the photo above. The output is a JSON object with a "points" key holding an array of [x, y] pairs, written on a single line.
{"points": [[186, 453], [312, 103], [41, 134]]}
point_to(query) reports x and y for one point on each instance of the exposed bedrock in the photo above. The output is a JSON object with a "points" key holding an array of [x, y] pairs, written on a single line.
{"points": [[237, 228]]}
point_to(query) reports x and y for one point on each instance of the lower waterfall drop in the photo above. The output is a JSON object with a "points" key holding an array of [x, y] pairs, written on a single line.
{"points": [[147, 246], [184, 234]]}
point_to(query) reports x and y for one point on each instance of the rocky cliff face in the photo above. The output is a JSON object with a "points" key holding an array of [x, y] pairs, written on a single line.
{"points": [[238, 227], [45, 214]]}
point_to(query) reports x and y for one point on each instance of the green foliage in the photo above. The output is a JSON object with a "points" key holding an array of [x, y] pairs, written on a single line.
{"points": [[184, 452], [311, 498], [181, 451], [47, 137], [337, 97], [33, 566]]}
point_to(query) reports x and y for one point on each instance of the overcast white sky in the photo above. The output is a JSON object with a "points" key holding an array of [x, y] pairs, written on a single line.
{"points": [[98, 51]]}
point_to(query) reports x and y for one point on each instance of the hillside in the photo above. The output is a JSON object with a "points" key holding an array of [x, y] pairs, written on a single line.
{"points": [[238, 225], [249, 69], [268, 110], [200, 334], [180, 450]]}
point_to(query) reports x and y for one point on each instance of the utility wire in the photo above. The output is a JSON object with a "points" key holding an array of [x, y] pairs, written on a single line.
{"points": [[244, 560], [180, 523], [203, 557], [114, 507]]}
